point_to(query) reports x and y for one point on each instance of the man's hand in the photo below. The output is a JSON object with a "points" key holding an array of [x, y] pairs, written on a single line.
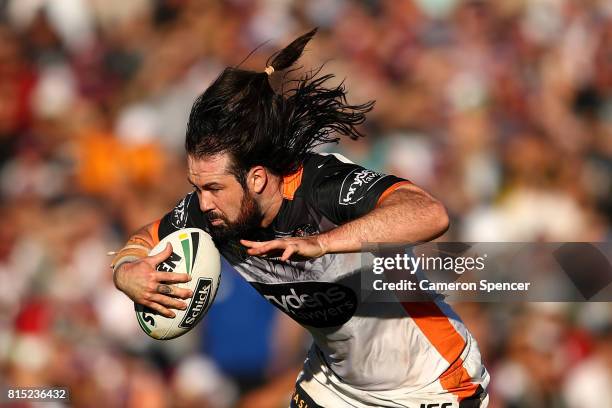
{"points": [[302, 247], [146, 286]]}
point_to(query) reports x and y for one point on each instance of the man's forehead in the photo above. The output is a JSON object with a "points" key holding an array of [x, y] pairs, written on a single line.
{"points": [[208, 166]]}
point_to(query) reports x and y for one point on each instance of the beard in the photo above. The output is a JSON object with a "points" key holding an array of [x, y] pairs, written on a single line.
{"points": [[245, 227]]}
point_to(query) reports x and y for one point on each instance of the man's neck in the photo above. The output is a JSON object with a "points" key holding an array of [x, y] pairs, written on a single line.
{"points": [[270, 205]]}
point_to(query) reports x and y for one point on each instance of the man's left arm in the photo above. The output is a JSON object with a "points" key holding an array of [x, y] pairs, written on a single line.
{"points": [[406, 215]]}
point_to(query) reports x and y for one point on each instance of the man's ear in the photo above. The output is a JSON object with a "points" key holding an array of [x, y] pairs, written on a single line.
{"points": [[257, 179]]}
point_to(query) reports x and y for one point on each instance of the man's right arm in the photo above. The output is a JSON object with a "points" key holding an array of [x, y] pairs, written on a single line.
{"points": [[136, 276]]}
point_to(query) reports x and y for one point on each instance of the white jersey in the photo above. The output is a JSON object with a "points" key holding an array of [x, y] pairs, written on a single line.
{"points": [[364, 353]]}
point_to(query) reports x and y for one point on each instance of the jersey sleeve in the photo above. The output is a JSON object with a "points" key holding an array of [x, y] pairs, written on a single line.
{"points": [[343, 191], [186, 214]]}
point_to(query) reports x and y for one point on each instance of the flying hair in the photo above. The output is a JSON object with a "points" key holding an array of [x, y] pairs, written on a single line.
{"points": [[240, 114]]}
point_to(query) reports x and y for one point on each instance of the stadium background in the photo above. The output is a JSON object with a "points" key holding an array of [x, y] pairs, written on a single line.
{"points": [[502, 109]]}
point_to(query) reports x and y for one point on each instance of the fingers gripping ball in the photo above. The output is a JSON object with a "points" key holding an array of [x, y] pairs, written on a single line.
{"points": [[193, 253]]}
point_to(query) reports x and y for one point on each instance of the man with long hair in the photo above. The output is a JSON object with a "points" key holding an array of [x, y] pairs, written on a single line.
{"points": [[292, 223]]}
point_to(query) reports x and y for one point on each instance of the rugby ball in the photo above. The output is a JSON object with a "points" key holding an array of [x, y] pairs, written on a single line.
{"points": [[193, 253]]}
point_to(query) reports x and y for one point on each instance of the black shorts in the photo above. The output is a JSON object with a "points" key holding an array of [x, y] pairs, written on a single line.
{"points": [[300, 399]]}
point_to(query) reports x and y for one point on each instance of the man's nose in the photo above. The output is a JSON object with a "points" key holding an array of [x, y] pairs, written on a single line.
{"points": [[206, 205]]}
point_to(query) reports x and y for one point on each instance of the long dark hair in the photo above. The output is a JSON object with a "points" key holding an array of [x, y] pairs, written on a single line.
{"points": [[239, 113]]}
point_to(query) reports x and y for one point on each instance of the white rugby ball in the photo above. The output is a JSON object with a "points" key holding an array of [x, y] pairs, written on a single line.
{"points": [[193, 253]]}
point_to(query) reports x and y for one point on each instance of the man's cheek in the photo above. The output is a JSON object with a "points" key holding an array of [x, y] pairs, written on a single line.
{"points": [[229, 213]]}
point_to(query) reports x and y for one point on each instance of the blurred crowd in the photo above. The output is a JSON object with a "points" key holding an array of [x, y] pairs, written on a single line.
{"points": [[502, 109]]}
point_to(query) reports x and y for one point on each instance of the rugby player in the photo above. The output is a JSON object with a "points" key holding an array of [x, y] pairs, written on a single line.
{"points": [[292, 223]]}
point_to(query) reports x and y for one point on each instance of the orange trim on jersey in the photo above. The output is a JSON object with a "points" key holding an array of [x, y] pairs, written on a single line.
{"points": [[435, 325], [154, 231], [457, 380], [291, 183], [437, 328], [391, 189]]}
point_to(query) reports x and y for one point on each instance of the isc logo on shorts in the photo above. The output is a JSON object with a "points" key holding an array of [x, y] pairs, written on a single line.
{"points": [[300, 399]]}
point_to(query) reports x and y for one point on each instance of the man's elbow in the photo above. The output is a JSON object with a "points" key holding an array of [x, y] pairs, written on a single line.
{"points": [[432, 215], [439, 218]]}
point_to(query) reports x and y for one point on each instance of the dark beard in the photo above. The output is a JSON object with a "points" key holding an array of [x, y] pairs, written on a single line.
{"points": [[245, 227]]}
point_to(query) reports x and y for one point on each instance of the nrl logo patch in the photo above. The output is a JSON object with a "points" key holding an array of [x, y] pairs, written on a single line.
{"points": [[356, 185], [179, 214]]}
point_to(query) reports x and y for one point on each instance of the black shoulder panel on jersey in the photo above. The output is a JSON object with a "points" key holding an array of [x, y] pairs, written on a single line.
{"points": [[186, 214], [342, 191]]}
